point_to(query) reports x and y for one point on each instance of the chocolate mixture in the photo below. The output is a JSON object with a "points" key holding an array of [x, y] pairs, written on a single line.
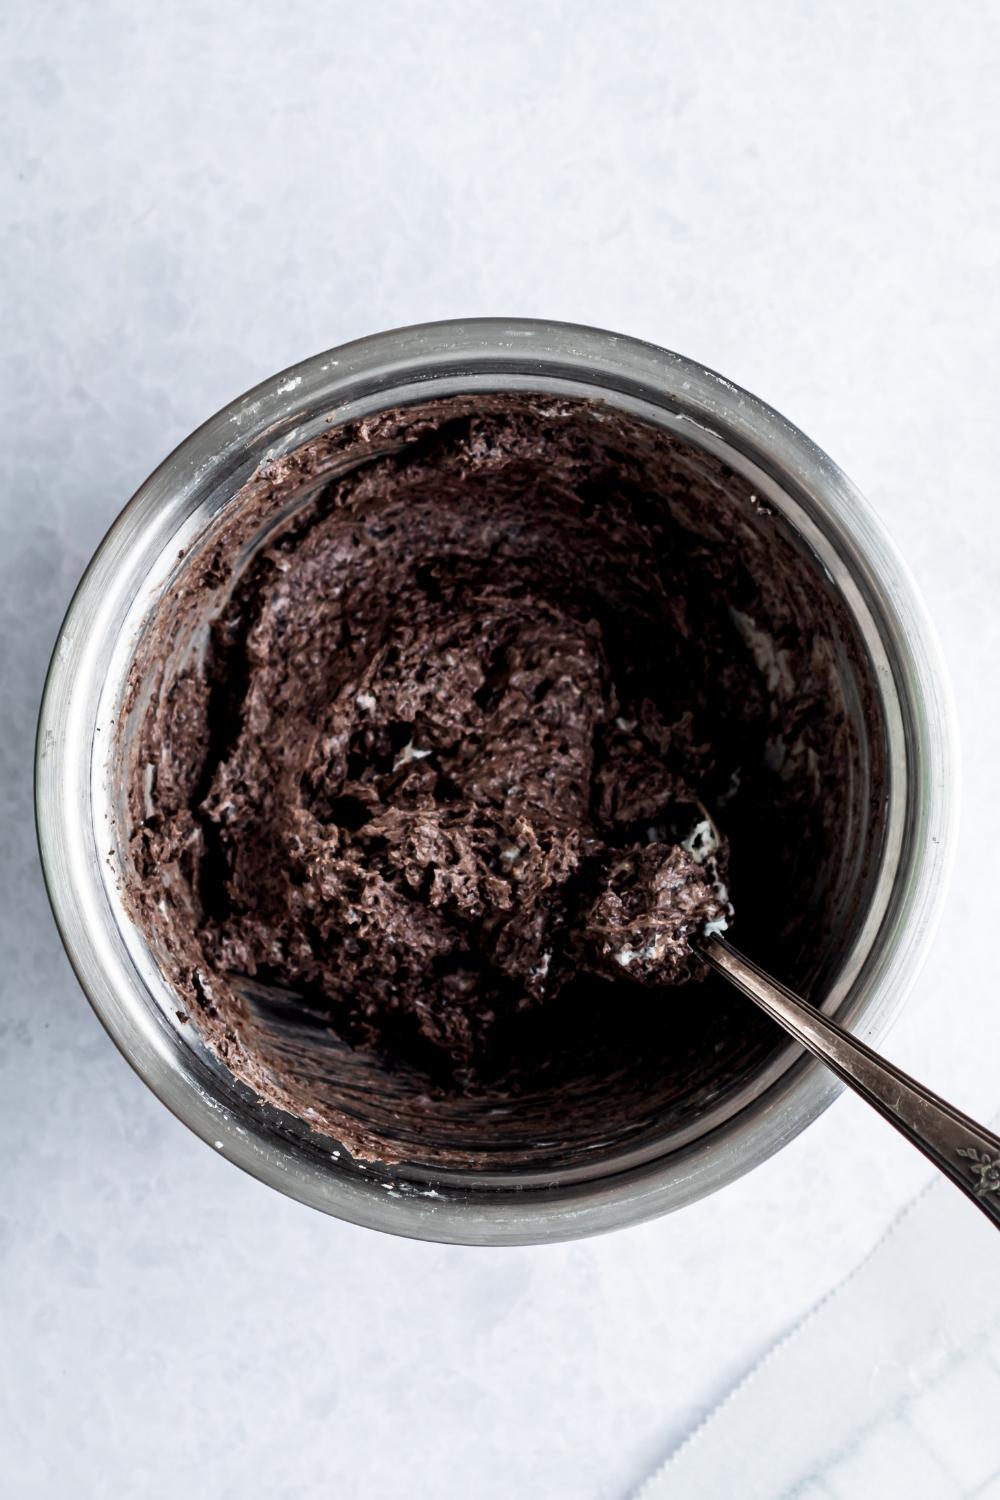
{"points": [[440, 745]]}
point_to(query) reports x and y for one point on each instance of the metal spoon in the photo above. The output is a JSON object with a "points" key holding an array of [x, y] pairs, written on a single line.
{"points": [[966, 1152]]}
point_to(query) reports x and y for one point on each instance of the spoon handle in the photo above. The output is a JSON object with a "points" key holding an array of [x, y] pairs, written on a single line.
{"points": [[966, 1152]]}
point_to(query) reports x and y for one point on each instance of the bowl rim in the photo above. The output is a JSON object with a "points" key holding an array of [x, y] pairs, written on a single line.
{"points": [[712, 409]]}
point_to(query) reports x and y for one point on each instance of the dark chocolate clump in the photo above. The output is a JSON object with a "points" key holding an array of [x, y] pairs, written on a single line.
{"points": [[440, 736]]}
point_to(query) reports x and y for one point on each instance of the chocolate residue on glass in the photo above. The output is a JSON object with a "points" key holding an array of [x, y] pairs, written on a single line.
{"points": [[458, 723]]}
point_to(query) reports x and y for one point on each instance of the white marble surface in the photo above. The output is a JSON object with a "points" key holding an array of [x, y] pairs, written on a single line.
{"points": [[805, 197]]}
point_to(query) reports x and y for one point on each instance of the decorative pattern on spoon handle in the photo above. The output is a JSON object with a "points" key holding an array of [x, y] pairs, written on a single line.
{"points": [[985, 1171]]}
